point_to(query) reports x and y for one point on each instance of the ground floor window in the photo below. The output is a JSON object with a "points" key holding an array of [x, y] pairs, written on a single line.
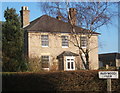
{"points": [[45, 61]]}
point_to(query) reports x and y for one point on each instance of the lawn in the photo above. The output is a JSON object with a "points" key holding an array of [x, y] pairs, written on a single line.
{"points": [[56, 81]]}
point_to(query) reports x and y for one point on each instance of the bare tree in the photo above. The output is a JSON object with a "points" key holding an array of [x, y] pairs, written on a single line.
{"points": [[90, 17]]}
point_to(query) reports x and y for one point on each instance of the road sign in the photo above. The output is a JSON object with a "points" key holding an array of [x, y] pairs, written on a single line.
{"points": [[108, 74]]}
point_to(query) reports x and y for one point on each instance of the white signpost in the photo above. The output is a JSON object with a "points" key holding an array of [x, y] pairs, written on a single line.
{"points": [[108, 75]]}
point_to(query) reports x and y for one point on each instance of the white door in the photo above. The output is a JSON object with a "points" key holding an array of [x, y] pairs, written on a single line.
{"points": [[70, 63]]}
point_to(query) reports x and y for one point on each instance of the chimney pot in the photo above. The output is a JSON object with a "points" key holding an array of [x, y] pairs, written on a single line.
{"points": [[59, 17], [24, 8]]}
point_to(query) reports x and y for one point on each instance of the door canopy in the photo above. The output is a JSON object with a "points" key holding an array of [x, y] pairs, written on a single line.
{"points": [[67, 53]]}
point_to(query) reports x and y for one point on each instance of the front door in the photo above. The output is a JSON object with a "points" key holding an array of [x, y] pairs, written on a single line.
{"points": [[70, 63]]}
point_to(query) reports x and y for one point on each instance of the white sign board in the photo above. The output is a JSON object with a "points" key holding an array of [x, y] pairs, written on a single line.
{"points": [[108, 74]]}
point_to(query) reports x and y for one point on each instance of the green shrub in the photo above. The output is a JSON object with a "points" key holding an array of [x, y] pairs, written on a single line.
{"points": [[34, 64]]}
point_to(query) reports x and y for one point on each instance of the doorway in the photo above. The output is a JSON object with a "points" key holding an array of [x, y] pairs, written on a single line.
{"points": [[70, 63]]}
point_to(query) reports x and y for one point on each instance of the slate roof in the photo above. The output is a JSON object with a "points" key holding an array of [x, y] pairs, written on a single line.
{"points": [[46, 23], [109, 56], [67, 53]]}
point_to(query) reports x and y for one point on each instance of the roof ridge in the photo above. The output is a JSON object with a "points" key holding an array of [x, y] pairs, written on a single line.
{"points": [[36, 22], [109, 53], [38, 18]]}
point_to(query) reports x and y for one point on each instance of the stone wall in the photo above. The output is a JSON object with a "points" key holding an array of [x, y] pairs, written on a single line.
{"points": [[55, 48]]}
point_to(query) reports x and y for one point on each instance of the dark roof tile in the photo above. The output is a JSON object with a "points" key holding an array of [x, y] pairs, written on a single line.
{"points": [[46, 23], [109, 56]]}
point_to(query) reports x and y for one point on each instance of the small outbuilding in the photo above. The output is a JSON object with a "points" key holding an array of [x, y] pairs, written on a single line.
{"points": [[110, 59]]}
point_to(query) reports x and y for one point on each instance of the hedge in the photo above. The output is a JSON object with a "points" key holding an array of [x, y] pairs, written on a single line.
{"points": [[56, 81]]}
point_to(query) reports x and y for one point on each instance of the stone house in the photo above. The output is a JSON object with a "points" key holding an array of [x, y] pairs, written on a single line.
{"points": [[110, 59], [49, 38]]}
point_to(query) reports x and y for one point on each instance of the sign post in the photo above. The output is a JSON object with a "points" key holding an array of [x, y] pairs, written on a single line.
{"points": [[109, 84], [108, 75]]}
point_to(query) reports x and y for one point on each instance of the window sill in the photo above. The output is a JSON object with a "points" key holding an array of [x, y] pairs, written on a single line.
{"points": [[45, 46], [70, 69], [45, 69], [64, 46], [83, 47]]}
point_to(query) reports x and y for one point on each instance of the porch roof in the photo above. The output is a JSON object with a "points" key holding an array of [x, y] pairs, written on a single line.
{"points": [[67, 53]]}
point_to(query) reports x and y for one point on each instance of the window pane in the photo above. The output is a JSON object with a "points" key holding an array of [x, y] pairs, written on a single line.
{"points": [[45, 61], [72, 59], [68, 59], [72, 65], [64, 40], [83, 41], [45, 65], [68, 65], [44, 40]]}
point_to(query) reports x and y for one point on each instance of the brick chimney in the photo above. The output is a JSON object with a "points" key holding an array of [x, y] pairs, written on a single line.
{"points": [[24, 16], [72, 14]]}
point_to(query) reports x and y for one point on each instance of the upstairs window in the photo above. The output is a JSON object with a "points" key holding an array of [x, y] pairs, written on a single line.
{"points": [[83, 41], [64, 41], [45, 61], [44, 41]]}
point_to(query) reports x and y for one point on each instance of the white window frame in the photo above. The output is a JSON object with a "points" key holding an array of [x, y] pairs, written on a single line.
{"points": [[48, 62], [44, 39], [83, 42], [70, 57], [65, 41]]}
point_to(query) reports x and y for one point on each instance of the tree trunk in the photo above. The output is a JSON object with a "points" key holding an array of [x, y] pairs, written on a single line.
{"points": [[83, 61], [87, 61]]}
